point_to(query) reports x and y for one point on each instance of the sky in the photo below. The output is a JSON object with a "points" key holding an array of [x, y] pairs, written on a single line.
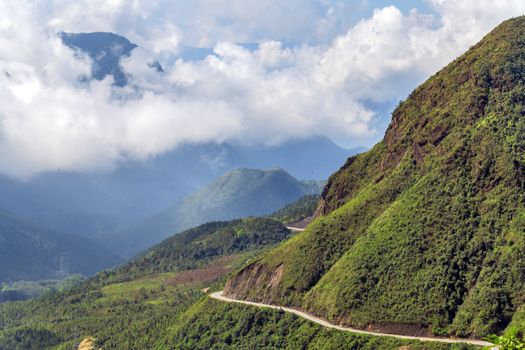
{"points": [[322, 67]]}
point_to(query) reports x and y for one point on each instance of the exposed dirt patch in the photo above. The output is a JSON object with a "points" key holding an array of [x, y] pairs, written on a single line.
{"points": [[207, 274], [242, 285], [385, 328], [276, 277], [217, 269]]}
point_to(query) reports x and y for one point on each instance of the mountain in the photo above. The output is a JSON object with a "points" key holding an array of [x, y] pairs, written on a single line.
{"points": [[299, 213], [196, 246], [105, 49], [28, 252], [98, 204], [156, 301], [424, 233], [238, 193]]}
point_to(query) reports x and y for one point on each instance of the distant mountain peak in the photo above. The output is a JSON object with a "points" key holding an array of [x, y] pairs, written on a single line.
{"points": [[106, 50], [239, 193]]}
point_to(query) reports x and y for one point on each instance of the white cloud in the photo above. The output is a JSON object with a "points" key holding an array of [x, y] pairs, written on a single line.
{"points": [[205, 22], [51, 121]]}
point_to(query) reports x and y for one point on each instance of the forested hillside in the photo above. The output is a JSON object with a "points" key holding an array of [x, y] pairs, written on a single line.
{"points": [[302, 210], [135, 305], [238, 193], [159, 301], [425, 233], [211, 324]]}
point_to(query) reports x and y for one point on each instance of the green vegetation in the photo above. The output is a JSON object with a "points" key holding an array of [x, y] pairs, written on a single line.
{"points": [[133, 306], [507, 342], [22, 290], [239, 193], [131, 315], [299, 210], [212, 324], [193, 248], [147, 303], [426, 231]]}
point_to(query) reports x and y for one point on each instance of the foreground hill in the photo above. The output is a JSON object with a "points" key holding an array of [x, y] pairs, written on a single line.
{"points": [[211, 324], [28, 252], [239, 193], [156, 301], [425, 233], [135, 305]]}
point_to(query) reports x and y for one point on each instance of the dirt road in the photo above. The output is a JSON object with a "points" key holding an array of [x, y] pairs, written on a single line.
{"points": [[221, 297]]}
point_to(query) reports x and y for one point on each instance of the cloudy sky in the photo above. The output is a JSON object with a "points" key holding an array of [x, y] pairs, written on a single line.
{"points": [[322, 67]]}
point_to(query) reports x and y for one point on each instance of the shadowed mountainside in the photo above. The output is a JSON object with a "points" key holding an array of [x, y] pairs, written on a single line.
{"points": [[28, 252], [239, 193]]}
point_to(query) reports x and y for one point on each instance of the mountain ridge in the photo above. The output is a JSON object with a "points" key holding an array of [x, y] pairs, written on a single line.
{"points": [[238, 193], [99, 204], [416, 231]]}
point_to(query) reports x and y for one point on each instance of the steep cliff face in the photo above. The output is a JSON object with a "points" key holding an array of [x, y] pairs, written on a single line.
{"points": [[427, 229]]}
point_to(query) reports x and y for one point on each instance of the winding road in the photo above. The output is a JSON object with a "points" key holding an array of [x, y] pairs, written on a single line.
{"points": [[221, 297], [296, 229]]}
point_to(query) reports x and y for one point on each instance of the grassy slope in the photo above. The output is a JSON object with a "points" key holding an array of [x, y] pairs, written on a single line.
{"points": [[153, 303], [211, 324], [129, 315], [132, 307], [426, 230]]}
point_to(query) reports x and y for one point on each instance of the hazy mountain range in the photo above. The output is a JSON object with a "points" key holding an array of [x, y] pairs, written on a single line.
{"points": [[98, 204], [29, 252], [239, 193]]}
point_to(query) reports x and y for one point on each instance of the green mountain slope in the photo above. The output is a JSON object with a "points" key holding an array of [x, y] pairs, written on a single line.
{"points": [[298, 212], [425, 233], [28, 252], [134, 306], [194, 247], [212, 324], [238, 193], [154, 302]]}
